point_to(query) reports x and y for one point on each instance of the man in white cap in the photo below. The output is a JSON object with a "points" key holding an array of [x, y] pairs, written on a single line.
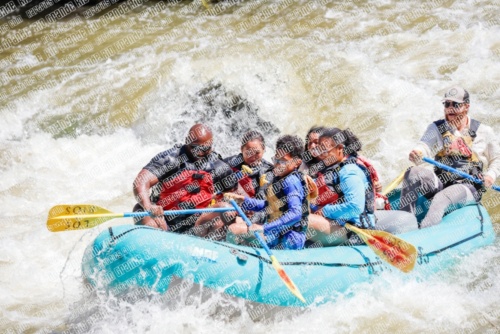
{"points": [[460, 142]]}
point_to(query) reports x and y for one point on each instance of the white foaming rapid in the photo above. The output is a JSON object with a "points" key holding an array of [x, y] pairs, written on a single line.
{"points": [[386, 85]]}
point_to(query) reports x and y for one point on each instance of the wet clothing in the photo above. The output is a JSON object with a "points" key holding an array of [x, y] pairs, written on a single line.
{"points": [[287, 210], [165, 164], [327, 193], [396, 221], [328, 190], [360, 160], [355, 203], [250, 184]]}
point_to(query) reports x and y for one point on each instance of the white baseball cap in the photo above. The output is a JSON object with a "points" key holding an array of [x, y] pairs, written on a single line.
{"points": [[456, 94]]}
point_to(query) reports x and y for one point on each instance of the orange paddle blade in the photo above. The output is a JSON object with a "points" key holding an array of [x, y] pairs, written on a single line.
{"points": [[391, 249], [284, 277]]}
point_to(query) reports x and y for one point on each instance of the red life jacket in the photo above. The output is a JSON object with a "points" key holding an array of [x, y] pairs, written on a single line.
{"points": [[373, 173], [328, 195], [325, 193], [374, 177], [246, 184], [188, 189]]}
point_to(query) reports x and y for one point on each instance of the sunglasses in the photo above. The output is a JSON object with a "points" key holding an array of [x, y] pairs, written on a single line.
{"points": [[203, 148], [448, 104], [279, 161]]}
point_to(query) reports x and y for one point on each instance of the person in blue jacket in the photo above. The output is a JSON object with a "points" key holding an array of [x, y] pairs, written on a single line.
{"points": [[349, 186], [286, 202]]}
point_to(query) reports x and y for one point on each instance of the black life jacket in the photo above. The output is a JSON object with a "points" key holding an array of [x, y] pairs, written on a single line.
{"points": [[249, 183], [457, 153], [277, 204], [333, 176]]}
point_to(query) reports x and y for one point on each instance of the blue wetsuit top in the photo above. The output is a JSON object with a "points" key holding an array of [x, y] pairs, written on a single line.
{"points": [[294, 192]]}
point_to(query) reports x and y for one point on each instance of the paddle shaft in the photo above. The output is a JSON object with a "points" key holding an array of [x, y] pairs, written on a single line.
{"points": [[249, 223], [276, 265], [82, 216], [394, 183], [112, 215], [178, 212], [456, 171]]}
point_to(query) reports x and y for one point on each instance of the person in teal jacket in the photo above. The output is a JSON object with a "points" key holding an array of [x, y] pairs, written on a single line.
{"points": [[348, 184]]}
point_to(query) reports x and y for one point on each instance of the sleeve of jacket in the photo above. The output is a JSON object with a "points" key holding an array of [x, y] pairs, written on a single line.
{"points": [[163, 163], [491, 152], [294, 192], [253, 204], [431, 141]]}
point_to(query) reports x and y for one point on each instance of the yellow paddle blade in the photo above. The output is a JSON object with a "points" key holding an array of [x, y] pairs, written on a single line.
{"points": [[284, 277], [393, 250], [67, 217], [394, 183]]}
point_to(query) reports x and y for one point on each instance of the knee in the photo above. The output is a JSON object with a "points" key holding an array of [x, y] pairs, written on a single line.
{"points": [[415, 173], [217, 223], [440, 199], [228, 218], [454, 195], [137, 208]]}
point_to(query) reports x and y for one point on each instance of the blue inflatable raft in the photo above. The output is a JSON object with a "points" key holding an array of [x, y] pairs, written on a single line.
{"points": [[127, 257]]}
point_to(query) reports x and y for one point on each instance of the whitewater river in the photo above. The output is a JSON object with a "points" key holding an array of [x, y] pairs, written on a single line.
{"points": [[89, 93]]}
